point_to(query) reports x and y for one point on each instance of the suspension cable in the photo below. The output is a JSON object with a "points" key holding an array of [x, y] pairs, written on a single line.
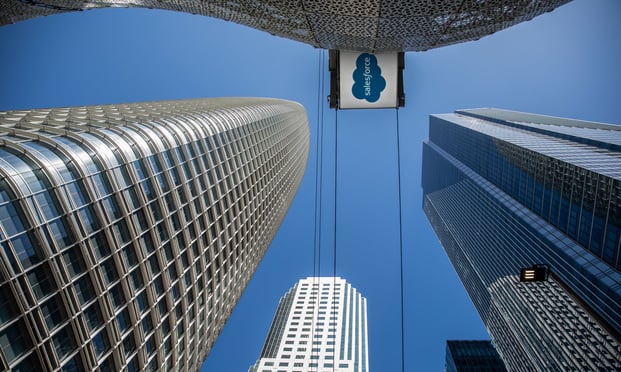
{"points": [[400, 240], [318, 190], [318, 167], [336, 153]]}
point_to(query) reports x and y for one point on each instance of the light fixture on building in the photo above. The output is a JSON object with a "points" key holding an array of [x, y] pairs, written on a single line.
{"points": [[536, 273]]}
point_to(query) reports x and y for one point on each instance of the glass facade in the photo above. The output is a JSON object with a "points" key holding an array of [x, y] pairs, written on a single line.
{"points": [[506, 190], [472, 356], [320, 325], [371, 25], [128, 232]]}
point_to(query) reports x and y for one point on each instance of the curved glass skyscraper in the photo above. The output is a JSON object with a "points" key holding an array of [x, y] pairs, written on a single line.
{"points": [[506, 190], [128, 232]]}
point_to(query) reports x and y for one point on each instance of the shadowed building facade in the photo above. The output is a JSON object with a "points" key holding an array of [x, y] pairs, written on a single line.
{"points": [[320, 325], [373, 25], [472, 356], [506, 190], [128, 232]]}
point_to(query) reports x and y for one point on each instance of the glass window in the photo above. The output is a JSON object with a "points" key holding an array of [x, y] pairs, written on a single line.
{"points": [[102, 184], [77, 194], [107, 365], [93, 317], [147, 187], [131, 259], [110, 272], [146, 242], [111, 206], [163, 182], [100, 342], [129, 345], [11, 221], [141, 220], [8, 307], [26, 251], [41, 281], [74, 261], [64, 342], [84, 289], [73, 365], [147, 324], [150, 345], [165, 327], [47, 205], [132, 198], [162, 231], [122, 176], [123, 321], [14, 341], [142, 301], [60, 233], [136, 279], [53, 312], [154, 267], [29, 364], [100, 245], [121, 231]]}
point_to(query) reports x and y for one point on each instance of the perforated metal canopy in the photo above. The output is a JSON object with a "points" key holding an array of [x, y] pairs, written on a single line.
{"points": [[364, 25]]}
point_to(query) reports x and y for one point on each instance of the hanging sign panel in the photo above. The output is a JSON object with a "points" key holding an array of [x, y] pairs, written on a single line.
{"points": [[368, 80]]}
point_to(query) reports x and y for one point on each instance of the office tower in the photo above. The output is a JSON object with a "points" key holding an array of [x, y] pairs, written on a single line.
{"points": [[320, 325], [506, 190], [373, 25], [128, 232], [472, 356]]}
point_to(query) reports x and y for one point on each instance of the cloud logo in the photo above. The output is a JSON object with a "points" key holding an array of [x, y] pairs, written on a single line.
{"points": [[368, 80]]}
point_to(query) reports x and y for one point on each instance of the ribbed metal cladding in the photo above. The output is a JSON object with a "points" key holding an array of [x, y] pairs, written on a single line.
{"points": [[495, 199], [128, 232], [370, 25]]}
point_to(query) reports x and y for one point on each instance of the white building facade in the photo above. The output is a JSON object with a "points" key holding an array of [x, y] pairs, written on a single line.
{"points": [[320, 325]]}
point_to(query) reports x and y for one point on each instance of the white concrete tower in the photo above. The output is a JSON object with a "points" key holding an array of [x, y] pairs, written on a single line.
{"points": [[320, 325]]}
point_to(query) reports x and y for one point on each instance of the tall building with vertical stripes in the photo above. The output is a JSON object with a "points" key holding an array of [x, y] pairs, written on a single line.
{"points": [[320, 325], [128, 232], [506, 190]]}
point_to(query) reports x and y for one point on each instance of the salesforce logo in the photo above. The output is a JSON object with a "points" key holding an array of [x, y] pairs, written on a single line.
{"points": [[368, 80]]}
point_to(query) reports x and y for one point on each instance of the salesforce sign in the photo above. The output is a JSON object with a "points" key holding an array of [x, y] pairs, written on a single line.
{"points": [[368, 80]]}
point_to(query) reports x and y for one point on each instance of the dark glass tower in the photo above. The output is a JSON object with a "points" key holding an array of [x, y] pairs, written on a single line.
{"points": [[472, 356], [506, 190]]}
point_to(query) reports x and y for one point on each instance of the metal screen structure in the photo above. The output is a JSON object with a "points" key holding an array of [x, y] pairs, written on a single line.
{"points": [[372, 25]]}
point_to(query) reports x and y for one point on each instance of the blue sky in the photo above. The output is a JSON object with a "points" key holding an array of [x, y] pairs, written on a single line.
{"points": [[563, 63]]}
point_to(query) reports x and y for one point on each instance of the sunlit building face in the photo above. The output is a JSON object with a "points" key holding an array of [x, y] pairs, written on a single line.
{"points": [[128, 232]]}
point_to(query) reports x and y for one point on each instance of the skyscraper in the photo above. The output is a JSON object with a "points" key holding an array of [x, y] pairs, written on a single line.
{"points": [[472, 356], [372, 25], [506, 190], [320, 325], [128, 232]]}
